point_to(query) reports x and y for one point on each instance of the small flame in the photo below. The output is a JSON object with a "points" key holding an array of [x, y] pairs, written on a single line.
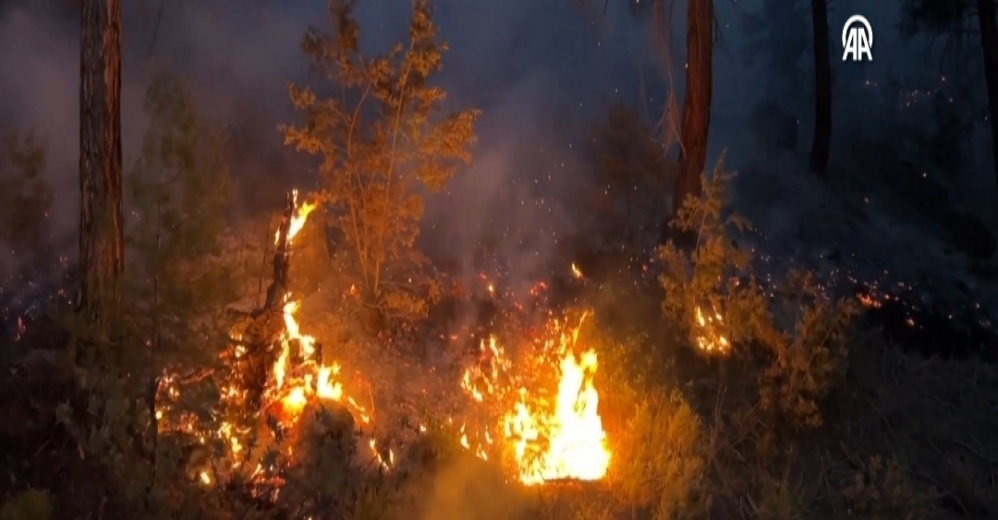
{"points": [[709, 338]]}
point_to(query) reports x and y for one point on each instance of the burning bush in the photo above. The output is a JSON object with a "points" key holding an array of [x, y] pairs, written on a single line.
{"points": [[548, 404], [713, 294]]}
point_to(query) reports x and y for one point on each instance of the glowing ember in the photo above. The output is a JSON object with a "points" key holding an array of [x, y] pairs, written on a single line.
{"points": [[708, 336]]}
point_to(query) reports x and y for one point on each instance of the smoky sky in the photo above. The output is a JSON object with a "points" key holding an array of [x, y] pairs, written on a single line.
{"points": [[539, 70]]}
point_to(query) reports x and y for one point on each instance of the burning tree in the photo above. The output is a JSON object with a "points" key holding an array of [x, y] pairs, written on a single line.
{"points": [[382, 141], [256, 347], [274, 377]]}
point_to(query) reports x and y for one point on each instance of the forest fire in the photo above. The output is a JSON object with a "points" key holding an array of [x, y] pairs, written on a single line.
{"points": [[317, 380], [542, 405], [551, 438], [300, 375]]}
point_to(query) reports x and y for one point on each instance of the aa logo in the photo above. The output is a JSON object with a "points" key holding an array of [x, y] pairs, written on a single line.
{"points": [[857, 39]]}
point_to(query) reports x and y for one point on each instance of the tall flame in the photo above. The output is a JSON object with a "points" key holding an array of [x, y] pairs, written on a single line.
{"points": [[319, 380], [549, 440], [567, 442]]}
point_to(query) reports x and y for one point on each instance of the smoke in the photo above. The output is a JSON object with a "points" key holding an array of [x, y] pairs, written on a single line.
{"points": [[514, 202], [469, 489], [539, 71]]}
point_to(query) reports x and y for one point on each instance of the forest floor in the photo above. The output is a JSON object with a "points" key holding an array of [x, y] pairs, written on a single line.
{"points": [[904, 435]]}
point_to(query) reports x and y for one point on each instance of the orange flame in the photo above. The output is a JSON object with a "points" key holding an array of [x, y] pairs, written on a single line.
{"points": [[709, 337], [567, 442], [549, 441]]}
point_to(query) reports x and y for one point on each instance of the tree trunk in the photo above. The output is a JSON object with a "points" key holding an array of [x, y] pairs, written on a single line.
{"points": [[821, 146], [696, 110], [696, 104], [989, 49], [101, 234]]}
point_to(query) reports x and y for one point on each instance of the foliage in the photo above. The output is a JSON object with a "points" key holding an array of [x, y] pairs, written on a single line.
{"points": [[882, 490], [32, 504], [183, 274], [633, 171], [661, 458], [180, 279], [25, 195], [383, 143], [706, 281], [660, 445], [712, 293]]}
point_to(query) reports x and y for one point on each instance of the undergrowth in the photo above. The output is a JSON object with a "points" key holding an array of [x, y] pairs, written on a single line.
{"points": [[790, 328], [728, 398]]}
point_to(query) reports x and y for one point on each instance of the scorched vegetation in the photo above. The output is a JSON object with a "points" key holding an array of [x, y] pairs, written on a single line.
{"points": [[310, 371]]}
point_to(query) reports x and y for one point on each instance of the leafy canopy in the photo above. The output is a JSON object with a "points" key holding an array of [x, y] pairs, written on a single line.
{"points": [[382, 139]]}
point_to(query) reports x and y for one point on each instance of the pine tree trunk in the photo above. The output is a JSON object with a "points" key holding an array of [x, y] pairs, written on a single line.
{"points": [[989, 48], [101, 234], [821, 146], [696, 104]]}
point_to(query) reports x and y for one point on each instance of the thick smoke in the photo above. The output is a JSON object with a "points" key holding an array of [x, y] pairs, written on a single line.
{"points": [[534, 69]]}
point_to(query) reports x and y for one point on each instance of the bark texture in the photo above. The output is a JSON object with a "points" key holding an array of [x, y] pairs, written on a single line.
{"points": [[696, 103], [821, 146], [101, 234]]}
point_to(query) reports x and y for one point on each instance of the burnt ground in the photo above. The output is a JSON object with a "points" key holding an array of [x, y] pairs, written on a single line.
{"points": [[931, 330]]}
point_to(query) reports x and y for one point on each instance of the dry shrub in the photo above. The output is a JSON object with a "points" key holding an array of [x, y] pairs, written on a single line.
{"points": [[659, 458], [711, 293], [32, 504], [658, 441], [882, 490], [808, 355], [778, 498]]}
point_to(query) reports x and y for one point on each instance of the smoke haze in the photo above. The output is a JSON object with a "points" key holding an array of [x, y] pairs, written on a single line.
{"points": [[539, 71]]}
